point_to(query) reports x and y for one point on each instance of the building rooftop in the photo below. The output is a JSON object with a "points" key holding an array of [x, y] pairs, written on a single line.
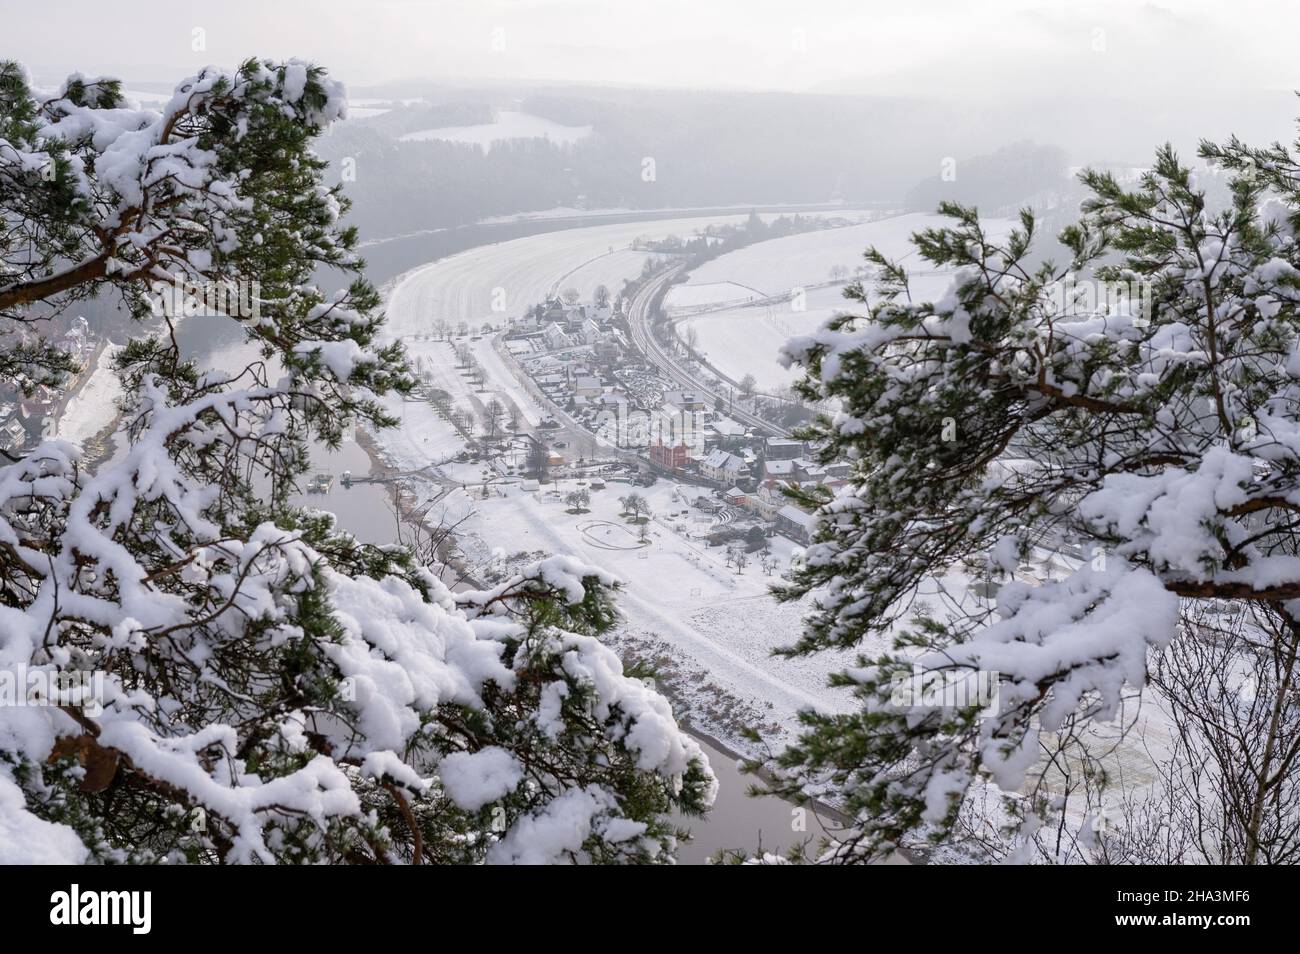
{"points": [[795, 515]]}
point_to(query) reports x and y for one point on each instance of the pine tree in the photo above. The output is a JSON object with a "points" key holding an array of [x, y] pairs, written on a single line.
{"points": [[1132, 412], [272, 690]]}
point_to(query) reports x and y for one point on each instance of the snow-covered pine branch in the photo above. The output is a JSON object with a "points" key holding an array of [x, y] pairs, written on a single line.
{"points": [[271, 689], [1155, 451]]}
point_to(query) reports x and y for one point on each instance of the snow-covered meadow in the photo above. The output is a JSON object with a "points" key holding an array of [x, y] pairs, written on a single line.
{"points": [[745, 305], [93, 407], [509, 125]]}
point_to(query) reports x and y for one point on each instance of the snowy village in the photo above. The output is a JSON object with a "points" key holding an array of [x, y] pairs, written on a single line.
{"points": [[844, 434]]}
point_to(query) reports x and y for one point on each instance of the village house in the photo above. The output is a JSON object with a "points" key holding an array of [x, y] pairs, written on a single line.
{"points": [[554, 310], [806, 471], [724, 467], [525, 323], [783, 448], [671, 456], [33, 412], [795, 523], [735, 497], [555, 338], [589, 387], [778, 471], [575, 317], [677, 427], [686, 400], [608, 347], [765, 502], [13, 434], [726, 432], [676, 436], [830, 475]]}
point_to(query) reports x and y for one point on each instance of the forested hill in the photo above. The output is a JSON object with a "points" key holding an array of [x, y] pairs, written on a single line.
{"points": [[644, 150]]}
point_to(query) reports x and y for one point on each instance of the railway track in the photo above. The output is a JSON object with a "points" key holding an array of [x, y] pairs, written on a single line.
{"points": [[638, 319]]}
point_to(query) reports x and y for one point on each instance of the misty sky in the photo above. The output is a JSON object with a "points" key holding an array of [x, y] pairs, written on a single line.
{"points": [[957, 48]]}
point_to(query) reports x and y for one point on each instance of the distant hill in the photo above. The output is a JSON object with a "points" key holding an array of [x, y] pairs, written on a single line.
{"points": [[997, 183]]}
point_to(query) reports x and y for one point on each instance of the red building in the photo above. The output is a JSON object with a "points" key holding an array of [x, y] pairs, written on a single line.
{"points": [[674, 458]]}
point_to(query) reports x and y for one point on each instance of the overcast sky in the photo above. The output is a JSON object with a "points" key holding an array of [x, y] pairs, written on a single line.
{"points": [[959, 48]]}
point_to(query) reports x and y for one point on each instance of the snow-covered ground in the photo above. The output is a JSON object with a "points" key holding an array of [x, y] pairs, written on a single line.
{"points": [[747, 338], [610, 269], [685, 610], [508, 125], [93, 407], [517, 274], [424, 436], [775, 267]]}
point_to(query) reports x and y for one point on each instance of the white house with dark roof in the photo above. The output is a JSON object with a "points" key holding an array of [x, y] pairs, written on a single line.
{"points": [[724, 467]]}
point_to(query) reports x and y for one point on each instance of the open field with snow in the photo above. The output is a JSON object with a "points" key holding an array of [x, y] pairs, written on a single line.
{"points": [[739, 338], [508, 125], [94, 406], [776, 266], [679, 597], [748, 340], [461, 287]]}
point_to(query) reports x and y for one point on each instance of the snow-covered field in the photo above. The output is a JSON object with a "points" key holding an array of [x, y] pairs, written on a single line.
{"points": [[464, 287], [779, 265], [748, 340], [610, 270], [679, 598], [739, 338], [93, 407], [424, 436], [509, 125]]}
